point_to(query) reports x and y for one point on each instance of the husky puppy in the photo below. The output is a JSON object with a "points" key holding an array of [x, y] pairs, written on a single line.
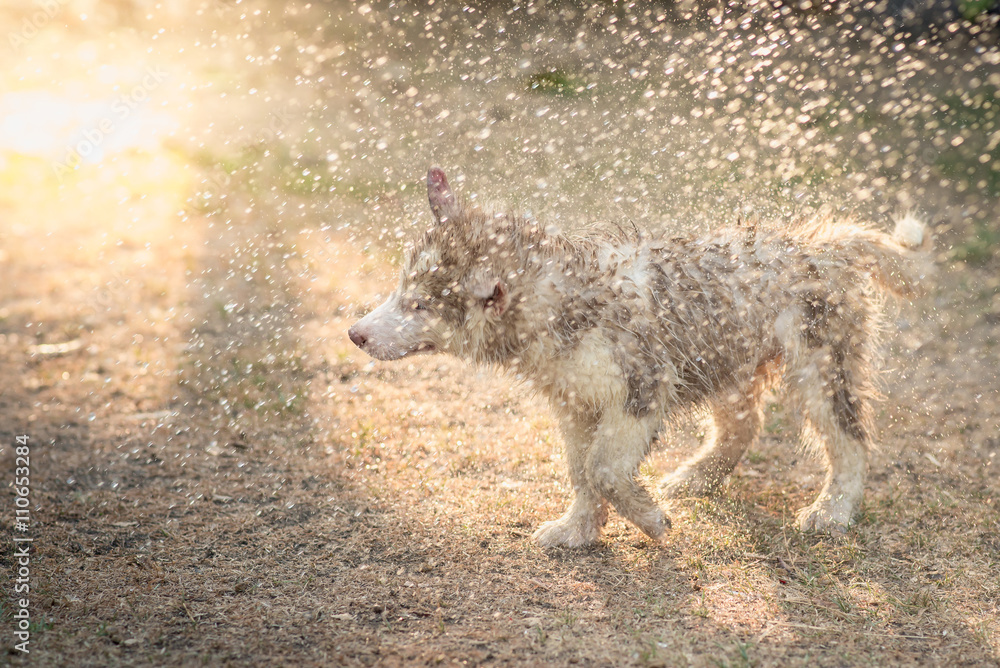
{"points": [[624, 332]]}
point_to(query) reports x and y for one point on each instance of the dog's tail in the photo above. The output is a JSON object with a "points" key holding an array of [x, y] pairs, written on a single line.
{"points": [[897, 263], [911, 232], [901, 264]]}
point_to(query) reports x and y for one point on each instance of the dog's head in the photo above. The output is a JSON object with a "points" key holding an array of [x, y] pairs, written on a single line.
{"points": [[453, 289]]}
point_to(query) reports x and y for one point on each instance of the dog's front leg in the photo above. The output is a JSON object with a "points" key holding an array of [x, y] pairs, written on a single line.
{"points": [[620, 443], [582, 523]]}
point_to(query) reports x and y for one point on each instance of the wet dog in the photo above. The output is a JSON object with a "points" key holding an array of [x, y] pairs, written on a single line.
{"points": [[625, 332]]}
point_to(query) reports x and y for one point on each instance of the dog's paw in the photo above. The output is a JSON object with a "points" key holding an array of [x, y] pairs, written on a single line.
{"points": [[564, 533], [687, 482], [828, 516], [656, 525]]}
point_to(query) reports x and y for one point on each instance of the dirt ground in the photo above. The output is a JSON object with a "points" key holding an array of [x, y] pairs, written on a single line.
{"points": [[219, 477]]}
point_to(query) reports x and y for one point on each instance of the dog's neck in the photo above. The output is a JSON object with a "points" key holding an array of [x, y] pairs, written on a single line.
{"points": [[553, 299]]}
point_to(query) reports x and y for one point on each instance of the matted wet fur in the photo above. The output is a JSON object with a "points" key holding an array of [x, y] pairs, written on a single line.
{"points": [[623, 333]]}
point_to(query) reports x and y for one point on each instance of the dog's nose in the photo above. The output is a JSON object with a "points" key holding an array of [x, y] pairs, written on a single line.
{"points": [[357, 337]]}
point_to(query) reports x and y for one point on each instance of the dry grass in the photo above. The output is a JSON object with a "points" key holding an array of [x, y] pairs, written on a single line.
{"points": [[221, 478], [236, 484]]}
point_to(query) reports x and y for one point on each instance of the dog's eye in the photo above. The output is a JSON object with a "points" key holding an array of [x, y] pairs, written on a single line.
{"points": [[417, 306]]}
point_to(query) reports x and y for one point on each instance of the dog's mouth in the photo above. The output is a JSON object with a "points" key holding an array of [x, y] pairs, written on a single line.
{"points": [[388, 353]]}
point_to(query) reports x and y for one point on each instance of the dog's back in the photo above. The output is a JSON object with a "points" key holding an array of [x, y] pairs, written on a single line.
{"points": [[696, 316]]}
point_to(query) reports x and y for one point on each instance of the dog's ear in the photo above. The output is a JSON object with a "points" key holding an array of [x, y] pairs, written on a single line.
{"points": [[491, 294], [439, 194], [497, 302]]}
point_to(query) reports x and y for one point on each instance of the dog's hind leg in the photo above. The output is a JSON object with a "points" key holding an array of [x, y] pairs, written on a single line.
{"points": [[732, 428], [843, 487], [582, 523], [734, 424], [832, 383], [621, 442]]}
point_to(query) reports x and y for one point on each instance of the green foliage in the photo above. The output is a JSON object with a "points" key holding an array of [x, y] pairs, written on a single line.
{"points": [[972, 9], [980, 248], [555, 82]]}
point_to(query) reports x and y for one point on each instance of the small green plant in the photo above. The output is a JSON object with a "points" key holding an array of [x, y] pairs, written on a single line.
{"points": [[555, 82], [36, 626], [702, 609], [568, 619], [983, 633], [741, 658], [648, 652]]}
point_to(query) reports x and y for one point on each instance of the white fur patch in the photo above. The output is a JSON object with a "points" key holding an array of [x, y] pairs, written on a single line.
{"points": [[909, 231]]}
